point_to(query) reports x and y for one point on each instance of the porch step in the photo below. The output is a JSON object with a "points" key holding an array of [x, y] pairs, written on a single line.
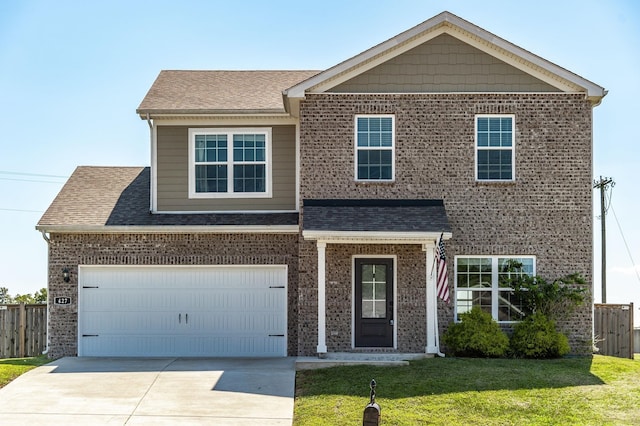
{"points": [[335, 359]]}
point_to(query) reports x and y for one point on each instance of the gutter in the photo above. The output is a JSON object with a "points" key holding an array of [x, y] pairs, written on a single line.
{"points": [[170, 229], [145, 114]]}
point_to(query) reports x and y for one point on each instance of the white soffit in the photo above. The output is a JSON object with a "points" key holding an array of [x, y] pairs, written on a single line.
{"points": [[447, 23], [369, 237]]}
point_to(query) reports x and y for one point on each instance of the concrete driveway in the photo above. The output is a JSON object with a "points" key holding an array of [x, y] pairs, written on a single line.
{"points": [[152, 391]]}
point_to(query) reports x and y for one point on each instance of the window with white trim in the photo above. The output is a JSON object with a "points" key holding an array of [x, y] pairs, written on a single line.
{"points": [[375, 148], [230, 163], [495, 145], [483, 281]]}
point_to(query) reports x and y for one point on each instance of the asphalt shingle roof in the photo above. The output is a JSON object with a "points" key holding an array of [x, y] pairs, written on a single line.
{"points": [[201, 92], [375, 215], [119, 196]]}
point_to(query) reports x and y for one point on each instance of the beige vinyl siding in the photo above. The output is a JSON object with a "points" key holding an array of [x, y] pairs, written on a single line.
{"points": [[173, 175], [444, 64]]}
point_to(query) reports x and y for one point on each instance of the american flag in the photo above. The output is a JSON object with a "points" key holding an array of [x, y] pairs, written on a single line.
{"points": [[442, 287]]}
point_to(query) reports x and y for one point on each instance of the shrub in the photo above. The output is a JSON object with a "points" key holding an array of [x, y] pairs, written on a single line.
{"points": [[554, 299], [477, 335], [536, 337]]}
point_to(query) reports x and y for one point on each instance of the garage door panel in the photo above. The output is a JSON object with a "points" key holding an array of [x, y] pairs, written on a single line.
{"points": [[130, 299], [131, 322], [255, 323], [183, 311], [185, 346]]}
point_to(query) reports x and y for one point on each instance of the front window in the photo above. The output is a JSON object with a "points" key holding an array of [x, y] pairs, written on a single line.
{"points": [[227, 163], [495, 148], [375, 145], [483, 281]]}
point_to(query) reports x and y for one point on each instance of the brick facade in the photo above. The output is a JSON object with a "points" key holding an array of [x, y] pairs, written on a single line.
{"points": [[71, 250], [546, 212]]}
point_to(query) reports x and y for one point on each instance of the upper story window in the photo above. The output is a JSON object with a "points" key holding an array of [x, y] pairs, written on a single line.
{"points": [[495, 146], [484, 281], [230, 163], [375, 148]]}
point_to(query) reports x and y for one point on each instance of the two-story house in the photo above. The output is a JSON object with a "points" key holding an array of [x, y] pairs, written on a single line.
{"points": [[299, 212]]}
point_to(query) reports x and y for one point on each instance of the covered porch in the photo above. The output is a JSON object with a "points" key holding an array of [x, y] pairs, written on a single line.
{"points": [[376, 274]]}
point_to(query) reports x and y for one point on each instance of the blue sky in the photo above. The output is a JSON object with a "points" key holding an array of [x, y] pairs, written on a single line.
{"points": [[73, 72]]}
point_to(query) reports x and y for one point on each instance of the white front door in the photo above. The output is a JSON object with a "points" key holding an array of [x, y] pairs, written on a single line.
{"points": [[212, 311]]}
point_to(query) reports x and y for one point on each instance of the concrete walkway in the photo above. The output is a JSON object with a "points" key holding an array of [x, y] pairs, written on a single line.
{"points": [[152, 391]]}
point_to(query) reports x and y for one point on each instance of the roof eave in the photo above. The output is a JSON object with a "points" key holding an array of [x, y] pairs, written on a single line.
{"points": [[152, 113], [169, 229], [374, 237]]}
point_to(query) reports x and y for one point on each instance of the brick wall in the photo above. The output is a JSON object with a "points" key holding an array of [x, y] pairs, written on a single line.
{"points": [[546, 212], [71, 250]]}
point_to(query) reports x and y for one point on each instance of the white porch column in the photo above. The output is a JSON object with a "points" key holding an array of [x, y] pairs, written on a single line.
{"points": [[432, 299], [322, 299]]}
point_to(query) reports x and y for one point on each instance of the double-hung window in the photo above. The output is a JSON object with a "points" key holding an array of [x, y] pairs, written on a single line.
{"points": [[375, 148], [230, 163], [495, 146], [483, 281]]}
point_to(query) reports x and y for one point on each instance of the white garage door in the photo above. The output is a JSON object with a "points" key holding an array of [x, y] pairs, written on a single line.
{"points": [[208, 311]]}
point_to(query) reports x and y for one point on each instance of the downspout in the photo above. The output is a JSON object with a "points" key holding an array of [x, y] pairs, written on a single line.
{"points": [[48, 240], [151, 151]]}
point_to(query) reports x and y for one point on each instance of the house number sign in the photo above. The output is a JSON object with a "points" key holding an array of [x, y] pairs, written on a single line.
{"points": [[62, 300]]}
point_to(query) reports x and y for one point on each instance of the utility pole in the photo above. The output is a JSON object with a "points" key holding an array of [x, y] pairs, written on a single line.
{"points": [[603, 184]]}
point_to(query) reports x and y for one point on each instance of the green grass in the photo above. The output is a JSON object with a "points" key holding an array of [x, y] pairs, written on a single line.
{"points": [[10, 368], [464, 391]]}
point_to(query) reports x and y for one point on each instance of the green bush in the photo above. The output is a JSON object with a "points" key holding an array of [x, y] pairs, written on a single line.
{"points": [[537, 337], [477, 335]]}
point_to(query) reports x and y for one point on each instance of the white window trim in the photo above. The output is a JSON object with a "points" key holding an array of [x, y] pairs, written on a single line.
{"points": [[491, 148], [385, 148], [230, 163], [494, 281], [394, 258]]}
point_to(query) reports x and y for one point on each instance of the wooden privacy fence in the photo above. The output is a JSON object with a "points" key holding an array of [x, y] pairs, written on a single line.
{"points": [[613, 329], [23, 330]]}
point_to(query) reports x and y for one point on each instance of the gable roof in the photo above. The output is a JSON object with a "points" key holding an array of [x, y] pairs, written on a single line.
{"points": [[116, 199], [279, 92], [219, 92], [447, 23]]}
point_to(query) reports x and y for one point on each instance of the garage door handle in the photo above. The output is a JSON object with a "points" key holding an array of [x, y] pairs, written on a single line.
{"points": [[186, 318], [276, 335], [179, 318]]}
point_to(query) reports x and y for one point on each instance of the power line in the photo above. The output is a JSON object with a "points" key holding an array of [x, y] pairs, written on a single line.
{"points": [[4, 172], [625, 241], [20, 210], [31, 180]]}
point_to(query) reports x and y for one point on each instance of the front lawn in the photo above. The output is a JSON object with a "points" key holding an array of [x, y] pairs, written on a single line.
{"points": [[464, 391], [10, 368]]}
